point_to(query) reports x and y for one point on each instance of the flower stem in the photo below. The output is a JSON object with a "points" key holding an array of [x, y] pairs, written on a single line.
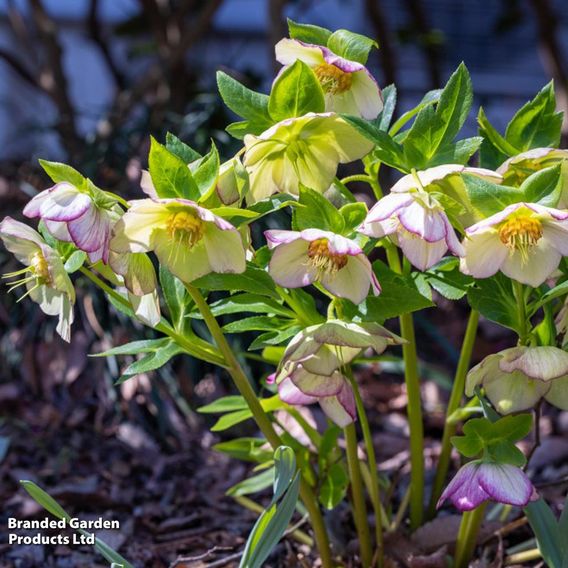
{"points": [[244, 387], [414, 408], [453, 404], [358, 177], [519, 291], [374, 485], [467, 536], [359, 509]]}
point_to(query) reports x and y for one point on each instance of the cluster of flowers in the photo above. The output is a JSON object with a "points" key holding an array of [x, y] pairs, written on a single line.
{"points": [[525, 241]]}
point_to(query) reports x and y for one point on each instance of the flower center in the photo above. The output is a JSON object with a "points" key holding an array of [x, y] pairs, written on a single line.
{"points": [[521, 233], [186, 228], [37, 272], [332, 79], [323, 260]]}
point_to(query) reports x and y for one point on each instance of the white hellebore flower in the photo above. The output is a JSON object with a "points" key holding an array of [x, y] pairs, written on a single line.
{"points": [[347, 85], [44, 275], [517, 378], [304, 150], [525, 241], [301, 258], [419, 225]]}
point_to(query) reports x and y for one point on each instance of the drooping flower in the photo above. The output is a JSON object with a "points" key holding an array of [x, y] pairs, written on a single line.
{"points": [[139, 276], [301, 258], [304, 150], [525, 241], [44, 275], [479, 481], [446, 180], [310, 370], [84, 218], [187, 239], [347, 85], [417, 222], [516, 379]]}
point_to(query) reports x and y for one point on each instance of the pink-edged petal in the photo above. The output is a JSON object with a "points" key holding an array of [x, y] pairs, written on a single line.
{"points": [[291, 394], [340, 408], [484, 254], [541, 362], [497, 218], [63, 202], [277, 237], [342, 245], [464, 490], [147, 185], [505, 483], [452, 240], [20, 239], [225, 250], [543, 259], [58, 230], [425, 223], [422, 254], [367, 94], [556, 232], [317, 385], [387, 206], [352, 281], [91, 231], [289, 265]]}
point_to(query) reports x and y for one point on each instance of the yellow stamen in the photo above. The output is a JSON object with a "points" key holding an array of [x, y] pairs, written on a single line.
{"points": [[186, 228], [332, 79], [521, 234], [323, 259], [37, 271]]}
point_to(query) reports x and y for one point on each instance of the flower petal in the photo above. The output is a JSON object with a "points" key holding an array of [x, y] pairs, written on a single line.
{"points": [[513, 392], [224, 249], [540, 362], [464, 490], [484, 254], [352, 281], [289, 267], [367, 94], [340, 408], [317, 385], [558, 393], [63, 202], [291, 394], [290, 50], [505, 483], [422, 254]]}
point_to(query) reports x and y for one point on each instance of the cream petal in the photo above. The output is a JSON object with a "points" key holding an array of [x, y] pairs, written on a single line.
{"points": [[542, 362], [513, 392], [542, 261], [290, 50], [224, 249], [484, 254], [558, 393], [352, 281], [146, 308], [422, 254], [556, 232], [289, 265], [340, 408], [367, 94]]}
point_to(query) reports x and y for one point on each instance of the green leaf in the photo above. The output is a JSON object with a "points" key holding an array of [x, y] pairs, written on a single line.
{"points": [[488, 197], [206, 173], [505, 452], [255, 323], [252, 303], [457, 153], [253, 484], [334, 486], [152, 361], [389, 104], [224, 404], [399, 295], [308, 33], [536, 124], [430, 98], [245, 449], [60, 172], [270, 527], [558, 291], [134, 347], [240, 129], [249, 104], [447, 279], [544, 186], [253, 280], [295, 92], [274, 337], [176, 297], [170, 174], [353, 214], [186, 153], [75, 261], [550, 540], [495, 149], [259, 209], [494, 299], [352, 46], [237, 416], [314, 211]]}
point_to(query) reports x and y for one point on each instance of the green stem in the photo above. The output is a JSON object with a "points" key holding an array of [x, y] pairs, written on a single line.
{"points": [[467, 535], [519, 292], [373, 471], [244, 387], [414, 408], [360, 177], [453, 404], [372, 170], [359, 509]]}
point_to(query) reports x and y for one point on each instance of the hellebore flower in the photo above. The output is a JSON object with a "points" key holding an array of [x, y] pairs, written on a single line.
{"points": [[525, 241], [304, 150], [310, 370], [187, 239], [419, 224], [479, 481], [83, 218], [517, 378], [301, 258], [447, 181], [44, 275], [347, 85], [140, 281], [517, 169]]}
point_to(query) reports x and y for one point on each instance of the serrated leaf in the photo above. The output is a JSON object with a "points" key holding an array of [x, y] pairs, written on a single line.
{"points": [[352, 46], [314, 211], [181, 149], [246, 449], [488, 197], [384, 119], [252, 484], [151, 361], [295, 92], [308, 33], [60, 172], [243, 101], [447, 279], [206, 173], [544, 187], [353, 214], [176, 297], [224, 404], [170, 174], [255, 323], [134, 347], [252, 303]]}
